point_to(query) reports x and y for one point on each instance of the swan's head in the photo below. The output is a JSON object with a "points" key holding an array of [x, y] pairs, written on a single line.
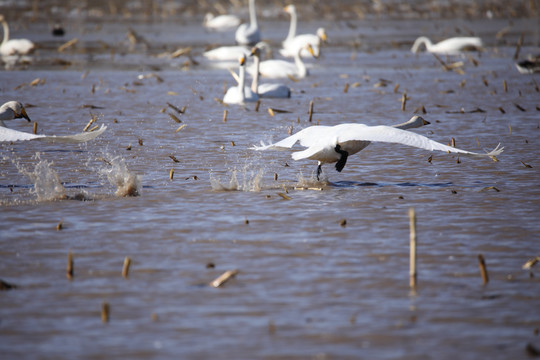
{"points": [[290, 9], [321, 33], [242, 60], [255, 51], [309, 48], [16, 108], [208, 17]]}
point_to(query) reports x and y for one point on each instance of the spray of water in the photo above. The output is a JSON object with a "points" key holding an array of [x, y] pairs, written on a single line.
{"points": [[126, 182], [47, 185]]}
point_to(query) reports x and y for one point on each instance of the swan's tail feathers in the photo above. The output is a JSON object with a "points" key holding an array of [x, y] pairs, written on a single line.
{"points": [[497, 151], [262, 147], [77, 138]]}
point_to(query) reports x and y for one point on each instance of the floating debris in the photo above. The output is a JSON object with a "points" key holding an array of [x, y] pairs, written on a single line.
{"points": [[68, 44], [105, 312], [530, 263], [175, 118], [173, 158], [223, 278], [4, 285], [284, 196], [483, 269], [180, 128], [526, 165]]}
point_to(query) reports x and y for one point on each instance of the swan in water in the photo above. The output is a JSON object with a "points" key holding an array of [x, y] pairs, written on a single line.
{"points": [[277, 68], [249, 34], [227, 53], [14, 46], [266, 90], [220, 22], [15, 110], [293, 42], [530, 65], [329, 144], [450, 46], [240, 93]]}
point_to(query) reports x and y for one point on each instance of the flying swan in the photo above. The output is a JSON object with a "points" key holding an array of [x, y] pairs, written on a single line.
{"points": [[450, 46], [293, 42], [249, 34], [15, 110], [14, 46], [334, 144]]}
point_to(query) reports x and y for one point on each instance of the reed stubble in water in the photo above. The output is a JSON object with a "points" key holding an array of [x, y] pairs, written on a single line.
{"points": [[69, 268], [412, 254], [105, 312], [223, 278], [125, 268], [483, 269]]}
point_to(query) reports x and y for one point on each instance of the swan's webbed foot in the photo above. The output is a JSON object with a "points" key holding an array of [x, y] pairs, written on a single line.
{"points": [[343, 159]]}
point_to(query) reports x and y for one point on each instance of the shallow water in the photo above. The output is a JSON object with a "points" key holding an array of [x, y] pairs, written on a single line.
{"points": [[308, 287]]}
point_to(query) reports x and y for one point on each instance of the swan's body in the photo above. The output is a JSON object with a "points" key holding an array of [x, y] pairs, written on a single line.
{"points": [[529, 66], [329, 144], [15, 110], [450, 46], [277, 68], [249, 34], [227, 53], [220, 22], [293, 42], [14, 46], [266, 90], [240, 93]]}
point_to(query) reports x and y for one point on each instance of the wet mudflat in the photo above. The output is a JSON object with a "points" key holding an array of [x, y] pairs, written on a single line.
{"points": [[309, 284]]}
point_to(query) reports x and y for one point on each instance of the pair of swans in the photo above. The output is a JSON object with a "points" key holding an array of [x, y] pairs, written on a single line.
{"points": [[14, 46], [452, 46], [293, 42], [15, 110], [334, 144], [240, 93]]}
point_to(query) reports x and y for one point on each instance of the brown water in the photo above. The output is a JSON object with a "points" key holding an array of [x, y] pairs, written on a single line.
{"points": [[307, 287]]}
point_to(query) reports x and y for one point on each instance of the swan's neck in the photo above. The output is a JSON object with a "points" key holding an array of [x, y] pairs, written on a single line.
{"points": [[292, 27], [255, 82], [302, 70], [413, 123], [242, 84], [6, 31], [421, 40], [252, 14]]}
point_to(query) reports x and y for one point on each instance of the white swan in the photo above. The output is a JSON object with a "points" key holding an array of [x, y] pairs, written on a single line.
{"points": [[220, 22], [249, 34], [530, 65], [329, 144], [14, 46], [240, 93], [266, 90], [15, 110], [277, 68], [227, 53], [293, 42], [450, 46]]}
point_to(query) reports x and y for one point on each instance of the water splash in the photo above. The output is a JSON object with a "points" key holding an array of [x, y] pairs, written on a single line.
{"points": [[251, 181], [47, 185], [126, 182]]}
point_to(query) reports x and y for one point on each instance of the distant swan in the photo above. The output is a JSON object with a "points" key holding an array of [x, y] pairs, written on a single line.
{"points": [[329, 144], [220, 22], [266, 90], [240, 93], [530, 65], [14, 46], [277, 68], [293, 42], [15, 110], [249, 34], [450, 46], [227, 53]]}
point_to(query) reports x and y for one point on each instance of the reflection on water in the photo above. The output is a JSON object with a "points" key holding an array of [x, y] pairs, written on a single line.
{"points": [[323, 265]]}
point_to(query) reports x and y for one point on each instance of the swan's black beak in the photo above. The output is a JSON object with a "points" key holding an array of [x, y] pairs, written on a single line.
{"points": [[22, 115], [425, 122]]}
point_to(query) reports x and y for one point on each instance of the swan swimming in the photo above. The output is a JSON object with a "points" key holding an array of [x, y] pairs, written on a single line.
{"points": [[530, 65], [450, 46], [240, 93], [220, 22], [14, 46], [277, 68], [329, 144], [15, 110], [249, 34], [293, 42], [266, 90]]}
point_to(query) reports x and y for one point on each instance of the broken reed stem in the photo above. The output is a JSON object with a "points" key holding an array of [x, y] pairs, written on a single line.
{"points": [[412, 255], [125, 269], [69, 268], [518, 46], [483, 269], [403, 101], [171, 174], [310, 111], [35, 128], [257, 105], [225, 115], [223, 278], [105, 311]]}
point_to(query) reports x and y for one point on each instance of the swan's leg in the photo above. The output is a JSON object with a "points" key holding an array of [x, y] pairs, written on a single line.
{"points": [[319, 171], [343, 160]]}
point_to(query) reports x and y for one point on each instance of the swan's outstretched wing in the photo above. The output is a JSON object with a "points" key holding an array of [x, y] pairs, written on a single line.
{"points": [[10, 135], [388, 134], [307, 137]]}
